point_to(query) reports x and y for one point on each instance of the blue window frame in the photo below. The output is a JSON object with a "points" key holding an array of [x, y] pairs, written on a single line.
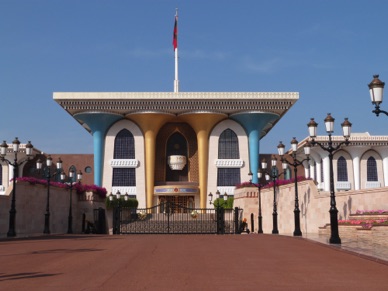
{"points": [[371, 170], [124, 145], [228, 145], [228, 176], [228, 149], [342, 170], [124, 148]]}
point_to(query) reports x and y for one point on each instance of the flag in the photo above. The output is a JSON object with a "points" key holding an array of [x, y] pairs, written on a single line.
{"points": [[175, 35]]}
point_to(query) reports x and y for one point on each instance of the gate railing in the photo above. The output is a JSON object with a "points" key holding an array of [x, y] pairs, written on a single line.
{"points": [[171, 218]]}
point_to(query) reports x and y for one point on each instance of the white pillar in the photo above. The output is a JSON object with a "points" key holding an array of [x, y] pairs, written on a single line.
{"points": [[308, 169], [383, 152], [326, 172], [385, 170], [312, 170], [319, 172], [10, 172], [356, 153], [356, 172]]}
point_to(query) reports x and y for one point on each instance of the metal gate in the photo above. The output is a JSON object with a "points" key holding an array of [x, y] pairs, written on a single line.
{"points": [[171, 218]]}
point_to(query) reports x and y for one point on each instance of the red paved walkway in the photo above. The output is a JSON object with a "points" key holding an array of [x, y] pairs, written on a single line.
{"points": [[183, 262]]}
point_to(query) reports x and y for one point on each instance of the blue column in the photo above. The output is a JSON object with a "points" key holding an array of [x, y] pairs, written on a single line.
{"points": [[98, 124], [254, 123]]}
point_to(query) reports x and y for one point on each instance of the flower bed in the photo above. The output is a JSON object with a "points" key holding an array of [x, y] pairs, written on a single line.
{"points": [[371, 212], [80, 188], [367, 218], [367, 223]]}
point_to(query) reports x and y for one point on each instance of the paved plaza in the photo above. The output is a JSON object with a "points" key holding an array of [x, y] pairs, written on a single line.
{"points": [[186, 262]]}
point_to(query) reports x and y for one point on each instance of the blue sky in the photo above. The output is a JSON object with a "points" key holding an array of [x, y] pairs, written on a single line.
{"points": [[325, 50]]}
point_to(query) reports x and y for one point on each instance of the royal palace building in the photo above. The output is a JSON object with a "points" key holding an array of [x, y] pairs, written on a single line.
{"points": [[177, 146]]}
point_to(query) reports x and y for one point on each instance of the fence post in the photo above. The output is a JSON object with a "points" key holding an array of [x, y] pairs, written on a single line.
{"points": [[252, 223], [83, 222], [236, 221], [114, 220], [168, 215]]}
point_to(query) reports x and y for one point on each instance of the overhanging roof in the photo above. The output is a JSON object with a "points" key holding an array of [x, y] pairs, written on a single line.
{"points": [[126, 103]]}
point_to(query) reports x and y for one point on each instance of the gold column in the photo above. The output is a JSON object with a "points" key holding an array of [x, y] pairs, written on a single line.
{"points": [[150, 123], [203, 123]]}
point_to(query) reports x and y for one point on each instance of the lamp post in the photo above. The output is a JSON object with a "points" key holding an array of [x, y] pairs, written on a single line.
{"points": [[376, 90], [48, 176], [71, 184], [219, 210], [259, 186], [111, 198], [3, 152], [117, 210], [274, 175], [295, 163], [331, 149]]}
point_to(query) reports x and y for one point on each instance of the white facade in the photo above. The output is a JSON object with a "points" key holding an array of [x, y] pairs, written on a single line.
{"points": [[7, 170], [366, 160], [215, 163]]}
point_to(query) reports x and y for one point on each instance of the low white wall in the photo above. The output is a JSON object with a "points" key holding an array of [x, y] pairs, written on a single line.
{"points": [[314, 205], [31, 209]]}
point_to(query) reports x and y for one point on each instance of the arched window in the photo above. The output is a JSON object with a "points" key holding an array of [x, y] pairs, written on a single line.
{"points": [[124, 145], [228, 149], [322, 175], [342, 170], [124, 148], [228, 145], [371, 170]]}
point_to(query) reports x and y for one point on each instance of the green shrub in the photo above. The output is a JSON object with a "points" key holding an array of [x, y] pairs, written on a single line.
{"points": [[220, 202], [130, 203]]}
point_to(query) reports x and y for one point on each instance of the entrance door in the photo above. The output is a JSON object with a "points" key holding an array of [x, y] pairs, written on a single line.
{"points": [[179, 204]]}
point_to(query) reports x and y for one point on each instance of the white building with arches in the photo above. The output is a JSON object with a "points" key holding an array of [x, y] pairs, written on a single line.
{"points": [[363, 164]]}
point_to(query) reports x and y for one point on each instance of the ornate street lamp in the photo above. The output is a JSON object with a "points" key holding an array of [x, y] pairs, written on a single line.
{"points": [[210, 198], [48, 176], [376, 90], [225, 197], [331, 149], [274, 175], [15, 164], [117, 210], [295, 163], [70, 185], [259, 186]]}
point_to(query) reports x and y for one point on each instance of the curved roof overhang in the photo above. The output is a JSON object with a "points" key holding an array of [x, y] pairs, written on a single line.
{"points": [[182, 104]]}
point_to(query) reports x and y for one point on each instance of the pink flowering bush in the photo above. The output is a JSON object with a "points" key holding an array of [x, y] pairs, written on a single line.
{"points": [[368, 212], [80, 188], [363, 223]]}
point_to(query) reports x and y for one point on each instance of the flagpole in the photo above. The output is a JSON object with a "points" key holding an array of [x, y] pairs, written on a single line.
{"points": [[176, 80]]}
